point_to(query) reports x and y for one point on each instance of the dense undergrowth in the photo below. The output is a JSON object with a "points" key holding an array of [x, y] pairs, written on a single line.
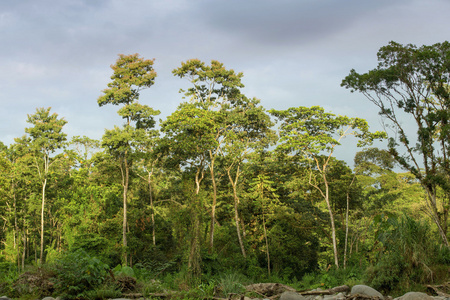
{"points": [[407, 260]]}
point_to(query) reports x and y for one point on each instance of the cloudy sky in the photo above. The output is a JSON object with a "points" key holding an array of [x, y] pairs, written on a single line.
{"points": [[58, 54]]}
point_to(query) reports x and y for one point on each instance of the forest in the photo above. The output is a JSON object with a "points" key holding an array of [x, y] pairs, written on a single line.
{"points": [[225, 192]]}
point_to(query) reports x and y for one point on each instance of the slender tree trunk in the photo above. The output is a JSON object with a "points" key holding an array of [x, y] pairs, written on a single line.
{"points": [[41, 256], [346, 221], [152, 207], [236, 212], [267, 245], [16, 229], [194, 261], [432, 205], [346, 232], [25, 236], [213, 207], [124, 225], [333, 227]]}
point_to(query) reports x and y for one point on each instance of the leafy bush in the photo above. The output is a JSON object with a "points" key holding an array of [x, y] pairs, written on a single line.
{"points": [[8, 274], [121, 271], [407, 256], [105, 291], [231, 283], [78, 272]]}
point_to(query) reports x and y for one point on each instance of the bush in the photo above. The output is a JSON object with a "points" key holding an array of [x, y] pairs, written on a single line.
{"points": [[8, 274], [105, 291], [407, 257], [231, 283], [77, 273]]}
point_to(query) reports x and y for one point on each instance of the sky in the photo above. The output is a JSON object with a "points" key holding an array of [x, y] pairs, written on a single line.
{"points": [[293, 53]]}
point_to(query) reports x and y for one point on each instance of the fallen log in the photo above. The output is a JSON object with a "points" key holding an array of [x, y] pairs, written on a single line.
{"points": [[442, 290], [269, 289], [335, 290]]}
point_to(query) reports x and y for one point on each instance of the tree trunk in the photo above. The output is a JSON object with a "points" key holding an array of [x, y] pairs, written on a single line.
{"points": [[346, 232], [236, 213], [213, 207], [41, 257], [124, 225], [152, 207], [25, 236], [236, 219], [333, 227], [16, 229], [267, 245], [194, 260], [431, 196]]}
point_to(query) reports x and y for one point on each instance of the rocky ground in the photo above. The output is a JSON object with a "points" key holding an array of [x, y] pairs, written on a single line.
{"points": [[276, 291], [357, 292]]}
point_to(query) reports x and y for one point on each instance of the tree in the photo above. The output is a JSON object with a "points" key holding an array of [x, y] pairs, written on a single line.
{"points": [[262, 191], [414, 82], [314, 134], [249, 132], [45, 137], [217, 91], [131, 75], [189, 136]]}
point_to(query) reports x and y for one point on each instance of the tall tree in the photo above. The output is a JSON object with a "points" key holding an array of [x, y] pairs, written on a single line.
{"points": [[314, 134], [262, 191], [216, 90], [131, 74], [250, 131], [412, 81], [45, 137], [189, 135]]}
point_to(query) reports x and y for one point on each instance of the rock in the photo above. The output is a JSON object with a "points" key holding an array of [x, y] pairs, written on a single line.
{"points": [[440, 298], [288, 295], [339, 296], [415, 296], [366, 290], [49, 298], [4, 298]]}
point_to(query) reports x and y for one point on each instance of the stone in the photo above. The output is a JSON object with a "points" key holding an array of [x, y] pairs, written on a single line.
{"points": [[288, 295], [339, 296], [415, 296], [4, 298], [366, 290]]}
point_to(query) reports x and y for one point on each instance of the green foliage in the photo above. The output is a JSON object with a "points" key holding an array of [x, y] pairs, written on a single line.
{"points": [[408, 256], [208, 206], [8, 275], [46, 133], [331, 278], [120, 271], [131, 74], [231, 283], [78, 272], [105, 291], [413, 82], [98, 246]]}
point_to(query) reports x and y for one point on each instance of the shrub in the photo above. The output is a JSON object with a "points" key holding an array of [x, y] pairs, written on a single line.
{"points": [[8, 274], [231, 283], [107, 290], [407, 256], [78, 272]]}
